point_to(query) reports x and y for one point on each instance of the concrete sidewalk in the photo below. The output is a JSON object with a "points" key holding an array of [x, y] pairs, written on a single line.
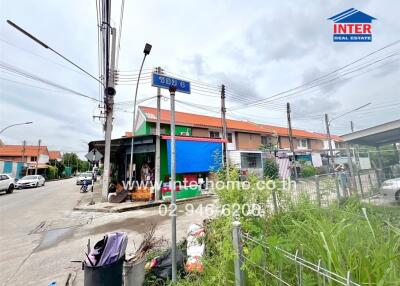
{"points": [[99, 206]]}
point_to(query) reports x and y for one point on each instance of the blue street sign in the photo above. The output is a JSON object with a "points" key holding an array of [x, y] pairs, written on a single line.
{"points": [[166, 82]]}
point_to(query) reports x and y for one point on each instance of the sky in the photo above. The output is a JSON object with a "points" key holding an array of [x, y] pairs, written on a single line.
{"points": [[257, 49]]}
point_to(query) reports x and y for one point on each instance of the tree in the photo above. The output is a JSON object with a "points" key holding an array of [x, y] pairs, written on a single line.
{"points": [[271, 169], [72, 160], [52, 173], [60, 167]]}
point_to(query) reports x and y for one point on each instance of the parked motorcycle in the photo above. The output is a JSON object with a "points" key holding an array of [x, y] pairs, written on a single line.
{"points": [[85, 186]]}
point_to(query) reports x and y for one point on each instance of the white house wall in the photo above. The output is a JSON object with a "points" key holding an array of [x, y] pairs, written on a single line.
{"points": [[234, 158]]}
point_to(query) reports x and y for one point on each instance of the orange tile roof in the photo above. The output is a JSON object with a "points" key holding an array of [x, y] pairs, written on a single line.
{"points": [[17, 150], [55, 155], [283, 131], [197, 120], [333, 137], [127, 134]]}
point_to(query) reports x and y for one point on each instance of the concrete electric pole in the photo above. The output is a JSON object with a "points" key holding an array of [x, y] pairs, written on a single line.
{"points": [[37, 158], [109, 93], [291, 139], [331, 161], [224, 132]]}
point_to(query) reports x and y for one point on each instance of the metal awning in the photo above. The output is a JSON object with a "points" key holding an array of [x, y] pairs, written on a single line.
{"points": [[143, 144], [383, 134]]}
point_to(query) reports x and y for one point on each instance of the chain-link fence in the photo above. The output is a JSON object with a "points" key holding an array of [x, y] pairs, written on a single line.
{"points": [[327, 189], [288, 269]]}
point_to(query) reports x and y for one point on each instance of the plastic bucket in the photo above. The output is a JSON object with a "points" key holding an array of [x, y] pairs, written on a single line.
{"points": [[107, 275], [134, 273]]}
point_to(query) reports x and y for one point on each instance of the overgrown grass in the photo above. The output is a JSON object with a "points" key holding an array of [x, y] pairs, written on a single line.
{"points": [[350, 236]]}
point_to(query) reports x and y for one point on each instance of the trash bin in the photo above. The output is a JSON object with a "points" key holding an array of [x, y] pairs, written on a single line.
{"points": [[134, 272], [107, 275]]}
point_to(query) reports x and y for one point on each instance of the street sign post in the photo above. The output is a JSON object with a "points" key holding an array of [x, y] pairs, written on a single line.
{"points": [[173, 85], [163, 81], [94, 156]]}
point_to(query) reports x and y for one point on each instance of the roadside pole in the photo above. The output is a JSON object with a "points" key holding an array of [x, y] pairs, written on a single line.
{"points": [[225, 158], [352, 126], [23, 154], [173, 85], [291, 140], [172, 90], [37, 158], [331, 161], [158, 134], [94, 164], [109, 94]]}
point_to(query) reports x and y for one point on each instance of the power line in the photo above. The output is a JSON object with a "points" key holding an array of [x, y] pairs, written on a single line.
{"points": [[49, 48], [324, 76], [191, 79], [327, 82], [39, 79], [121, 18]]}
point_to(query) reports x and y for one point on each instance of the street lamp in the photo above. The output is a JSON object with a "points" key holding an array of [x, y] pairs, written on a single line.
{"points": [[146, 52], [12, 125]]}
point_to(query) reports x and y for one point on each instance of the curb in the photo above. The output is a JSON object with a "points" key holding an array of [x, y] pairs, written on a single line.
{"points": [[144, 206]]}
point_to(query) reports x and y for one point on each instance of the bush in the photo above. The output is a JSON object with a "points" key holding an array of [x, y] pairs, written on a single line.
{"points": [[308, 171], [271, 169], [52, 173]]}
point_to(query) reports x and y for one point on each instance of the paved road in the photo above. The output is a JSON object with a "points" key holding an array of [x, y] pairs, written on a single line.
{"points": [[40, 234]]}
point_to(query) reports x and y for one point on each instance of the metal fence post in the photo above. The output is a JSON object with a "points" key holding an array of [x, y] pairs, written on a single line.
{"points": [[360, 183], [275, 202], [370, 183], [317, 190], [337, 187], [239, 281]]}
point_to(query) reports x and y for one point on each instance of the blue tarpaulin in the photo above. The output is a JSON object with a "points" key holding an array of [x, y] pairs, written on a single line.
{"points": [[196, 156]]}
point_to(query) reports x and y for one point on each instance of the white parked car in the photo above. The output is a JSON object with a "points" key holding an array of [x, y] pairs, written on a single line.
{"points": [[7, 183], [86, 176], [391, 189], [30, 181]]}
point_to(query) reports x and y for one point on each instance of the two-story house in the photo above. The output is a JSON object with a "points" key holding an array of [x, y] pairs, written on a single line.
{"points": [[15, 158]]}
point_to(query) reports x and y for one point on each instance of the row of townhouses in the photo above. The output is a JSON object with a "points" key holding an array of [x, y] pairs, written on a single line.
{"points": [[242, 135]]}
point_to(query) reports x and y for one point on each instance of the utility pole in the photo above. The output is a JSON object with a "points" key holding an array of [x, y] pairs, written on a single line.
{"points": [[158, 135], [225, 158], [352, 126], [37, 158], [172, 91], [23, 153], [23, 150], [291, 139], [332, 160], [109, 104]]}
